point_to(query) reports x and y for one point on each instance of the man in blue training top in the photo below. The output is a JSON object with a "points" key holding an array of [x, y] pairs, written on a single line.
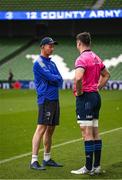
{"points": [[47, 82]]}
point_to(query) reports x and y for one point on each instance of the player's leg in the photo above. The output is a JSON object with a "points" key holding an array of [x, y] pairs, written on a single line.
{"points": [[35, 147], [47, 141], [96, 135], [84, 115], [82, 128], [37, 138], [41, 128], [97, 139], [89, 145], [97, 151], [87, 134], [53, 120]]}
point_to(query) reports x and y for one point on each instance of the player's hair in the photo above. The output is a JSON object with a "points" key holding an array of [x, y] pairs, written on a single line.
{"points": [[85, 38]]}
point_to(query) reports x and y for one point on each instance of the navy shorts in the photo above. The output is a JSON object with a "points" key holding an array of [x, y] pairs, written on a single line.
{"points": [[88, 106], [49, 113]]}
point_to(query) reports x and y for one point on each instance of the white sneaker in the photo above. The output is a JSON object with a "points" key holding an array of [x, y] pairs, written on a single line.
{"points": [[96, 170], [82, 170]]}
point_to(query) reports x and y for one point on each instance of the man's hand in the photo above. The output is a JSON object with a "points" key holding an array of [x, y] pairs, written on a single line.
{"points": [[78, 93], [105, 75]]}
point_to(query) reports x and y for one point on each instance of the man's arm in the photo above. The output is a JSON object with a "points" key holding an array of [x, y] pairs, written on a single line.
{"points": [[61, 79], [104, 77], [79, 72], [44, 73]]}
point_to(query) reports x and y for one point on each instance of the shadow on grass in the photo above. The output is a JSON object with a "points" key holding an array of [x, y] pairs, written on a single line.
{"points": [[113, 171]]}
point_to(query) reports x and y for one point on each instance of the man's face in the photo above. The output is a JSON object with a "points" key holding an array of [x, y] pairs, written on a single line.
{"points": [[48, 49]]}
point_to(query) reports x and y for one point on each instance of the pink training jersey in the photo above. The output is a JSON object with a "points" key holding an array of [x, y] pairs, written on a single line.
{"points": [[93, 65]]}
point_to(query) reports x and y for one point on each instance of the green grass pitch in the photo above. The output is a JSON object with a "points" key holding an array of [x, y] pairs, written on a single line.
{"points": [[18, 114]]}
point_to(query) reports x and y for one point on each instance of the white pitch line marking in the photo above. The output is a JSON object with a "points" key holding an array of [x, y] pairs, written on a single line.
{"points": [[54, 146]]}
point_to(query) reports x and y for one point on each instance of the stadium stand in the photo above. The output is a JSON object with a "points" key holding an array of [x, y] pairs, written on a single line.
{"points": [[112, 4], [116, 73], [105, 47], [10, 45], [31, 5], [20, 66]]}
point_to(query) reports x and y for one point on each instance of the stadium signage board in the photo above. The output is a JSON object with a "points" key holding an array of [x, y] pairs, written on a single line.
{"points": [[60, 15], [67, 84]]}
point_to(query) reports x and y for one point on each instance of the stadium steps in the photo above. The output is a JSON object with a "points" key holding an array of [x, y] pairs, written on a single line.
{"points": [[19, 65], [112, 4], [32, 5], [16, 52], [105, 47], [9, 45], [116, 72]]}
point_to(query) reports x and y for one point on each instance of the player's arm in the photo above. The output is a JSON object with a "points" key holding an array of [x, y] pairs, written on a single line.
{"points": [[79, 72], [44, 73], [104, 77], [61, 79]]}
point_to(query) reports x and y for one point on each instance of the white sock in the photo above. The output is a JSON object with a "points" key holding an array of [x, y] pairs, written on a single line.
{"points": [[47, 156], [34, 158]]}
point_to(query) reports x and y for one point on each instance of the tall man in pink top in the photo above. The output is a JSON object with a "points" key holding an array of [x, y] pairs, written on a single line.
{"points": [[90, 76]]}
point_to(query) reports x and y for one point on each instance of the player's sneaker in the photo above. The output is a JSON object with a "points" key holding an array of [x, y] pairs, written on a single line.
{"points": [[51, 162], [96, 170], [82, 170], [35, 165]]}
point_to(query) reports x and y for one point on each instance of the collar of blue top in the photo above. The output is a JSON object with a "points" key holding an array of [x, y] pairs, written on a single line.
{"points": [[44, 58]]}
